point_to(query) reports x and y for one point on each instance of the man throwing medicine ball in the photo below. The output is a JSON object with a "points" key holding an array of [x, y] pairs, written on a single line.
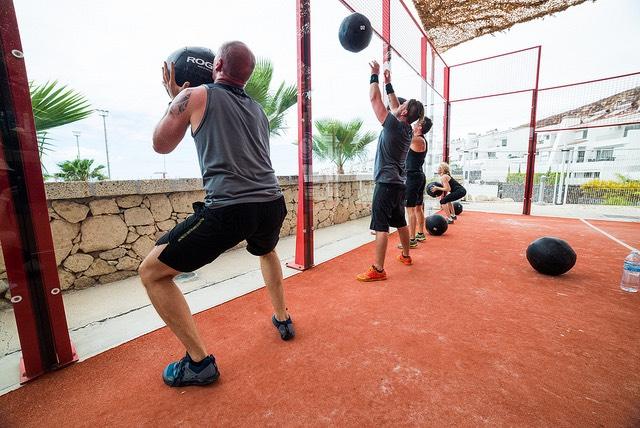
{"points": [[387, 207], [243, 202]]}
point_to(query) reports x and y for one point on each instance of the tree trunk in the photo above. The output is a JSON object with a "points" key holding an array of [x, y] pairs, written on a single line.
{"points": [[340, 169]]}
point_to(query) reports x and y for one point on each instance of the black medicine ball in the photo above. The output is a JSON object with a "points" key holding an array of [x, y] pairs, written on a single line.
{"points": [[551, 256], [193, 65], [431, 191], [355, 32], [436, 224], [457, 208]]}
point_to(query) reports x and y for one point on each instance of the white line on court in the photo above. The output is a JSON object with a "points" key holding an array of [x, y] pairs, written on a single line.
{"points": [[613, 238]]}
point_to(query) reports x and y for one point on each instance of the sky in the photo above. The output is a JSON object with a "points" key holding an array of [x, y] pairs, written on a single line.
{"points": [[112, 52]]}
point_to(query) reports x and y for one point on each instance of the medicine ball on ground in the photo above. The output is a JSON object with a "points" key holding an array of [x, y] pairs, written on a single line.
{"points": [[355, 32], [434, 193], [457, 208], [193, 65], [551, 256], [436, 224]]}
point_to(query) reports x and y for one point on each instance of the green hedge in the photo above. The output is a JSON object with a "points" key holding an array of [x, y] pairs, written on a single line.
{"points": [[623, 192], [518, 177]]}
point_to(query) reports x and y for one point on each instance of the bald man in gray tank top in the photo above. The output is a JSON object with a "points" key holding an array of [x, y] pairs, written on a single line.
{"points": [[243, 202]]}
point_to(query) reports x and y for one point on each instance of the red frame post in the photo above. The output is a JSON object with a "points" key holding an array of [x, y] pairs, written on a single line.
{"points": [[386, 32], [25, 233], [423, 58], [447, 107], [433, 66], [531, 158], [304, 227]]}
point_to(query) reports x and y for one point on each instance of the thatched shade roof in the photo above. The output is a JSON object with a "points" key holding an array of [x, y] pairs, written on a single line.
{"points": [[451, 22]]}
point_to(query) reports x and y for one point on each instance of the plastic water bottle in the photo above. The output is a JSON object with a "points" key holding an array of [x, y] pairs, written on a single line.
{"points": [[631, 273]]}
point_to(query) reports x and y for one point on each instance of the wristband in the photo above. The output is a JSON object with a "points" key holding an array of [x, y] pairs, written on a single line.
{"points": [[374, 78], [388, 88]]}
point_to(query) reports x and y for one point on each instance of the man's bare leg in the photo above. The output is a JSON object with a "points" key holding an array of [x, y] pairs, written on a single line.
{"points": [[404, 239], [381, 249], [169, 302], [412, 222], [272, 275], [420, 218]]}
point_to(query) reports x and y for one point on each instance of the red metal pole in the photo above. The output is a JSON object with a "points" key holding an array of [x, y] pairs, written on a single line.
{"points": [[386, 31], [423, 58], [531, 158], [433, 66], [447, 106], [304, 229], [25, 233]]}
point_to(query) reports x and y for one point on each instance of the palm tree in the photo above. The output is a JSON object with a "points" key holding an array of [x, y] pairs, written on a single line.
{"points": [[340, 142], [55, 105], [80, 170], [276, 104]]}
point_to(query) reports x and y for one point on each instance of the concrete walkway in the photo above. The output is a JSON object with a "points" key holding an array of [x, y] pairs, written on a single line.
{"points": [[109, 315]]}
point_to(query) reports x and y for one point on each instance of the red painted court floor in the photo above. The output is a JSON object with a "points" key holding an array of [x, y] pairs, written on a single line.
{"points": [[469, 335]]}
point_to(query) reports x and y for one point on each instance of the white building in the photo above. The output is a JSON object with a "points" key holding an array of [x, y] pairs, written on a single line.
{"points": [[600, 151]]}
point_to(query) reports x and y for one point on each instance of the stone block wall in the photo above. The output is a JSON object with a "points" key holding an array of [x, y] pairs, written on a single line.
{"points": [[102, 231]]}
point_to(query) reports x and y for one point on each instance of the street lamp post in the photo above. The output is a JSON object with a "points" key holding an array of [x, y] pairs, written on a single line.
{"points": [[77, 135], [164, 167], [104, 114]]}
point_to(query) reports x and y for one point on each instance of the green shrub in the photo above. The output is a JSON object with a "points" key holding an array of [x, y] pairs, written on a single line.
{"points": [[623, 192], [519, 177]]}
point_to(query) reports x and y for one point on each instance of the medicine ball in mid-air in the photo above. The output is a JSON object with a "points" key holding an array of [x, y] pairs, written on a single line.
{"points": [[551, 256], [355, 32], [457, 208], [436, 224], [193, 65], [431, 191]]}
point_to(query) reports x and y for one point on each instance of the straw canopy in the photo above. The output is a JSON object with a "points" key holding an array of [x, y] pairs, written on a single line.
{"points": [[451, 22]]}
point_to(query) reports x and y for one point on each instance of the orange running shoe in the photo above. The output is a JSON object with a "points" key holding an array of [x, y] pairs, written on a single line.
{"points": [[405, 260], [372, 275]]}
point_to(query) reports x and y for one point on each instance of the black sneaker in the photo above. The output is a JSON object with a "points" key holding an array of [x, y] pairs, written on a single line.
{"points": [[420, 237], [185, 372], [285, 328]]}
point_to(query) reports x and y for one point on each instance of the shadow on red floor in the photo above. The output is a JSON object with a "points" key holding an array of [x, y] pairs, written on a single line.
{"points": [[469, 335]]}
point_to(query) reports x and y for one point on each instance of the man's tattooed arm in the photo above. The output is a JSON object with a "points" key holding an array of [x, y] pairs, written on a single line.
{"points": [[180, 103]]}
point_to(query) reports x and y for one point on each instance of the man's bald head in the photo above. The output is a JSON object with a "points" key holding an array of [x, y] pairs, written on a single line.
{"points": [[237, 62]]}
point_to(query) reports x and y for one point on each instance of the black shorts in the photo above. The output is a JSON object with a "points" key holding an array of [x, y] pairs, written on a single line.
{"points": [[454, 196], [209, 232], [387, 207], [415, 188]]}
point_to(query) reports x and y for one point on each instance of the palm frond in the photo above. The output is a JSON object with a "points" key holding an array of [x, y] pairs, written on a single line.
{"points": [[258, 85], [44, 143], [55, 105], [80, 170], [339, 141], [274, 105]]}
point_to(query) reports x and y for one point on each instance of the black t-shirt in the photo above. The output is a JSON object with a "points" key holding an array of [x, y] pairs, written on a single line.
{"points": [[415, 160], [391, 154], [453, 183]]}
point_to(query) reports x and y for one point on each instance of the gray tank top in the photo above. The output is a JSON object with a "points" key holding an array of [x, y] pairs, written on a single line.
{"points": [[233, 149]]}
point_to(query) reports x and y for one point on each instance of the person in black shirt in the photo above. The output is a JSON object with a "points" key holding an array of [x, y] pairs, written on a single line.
{"points": [[416, 181], [454, 191], [389, 171]]}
